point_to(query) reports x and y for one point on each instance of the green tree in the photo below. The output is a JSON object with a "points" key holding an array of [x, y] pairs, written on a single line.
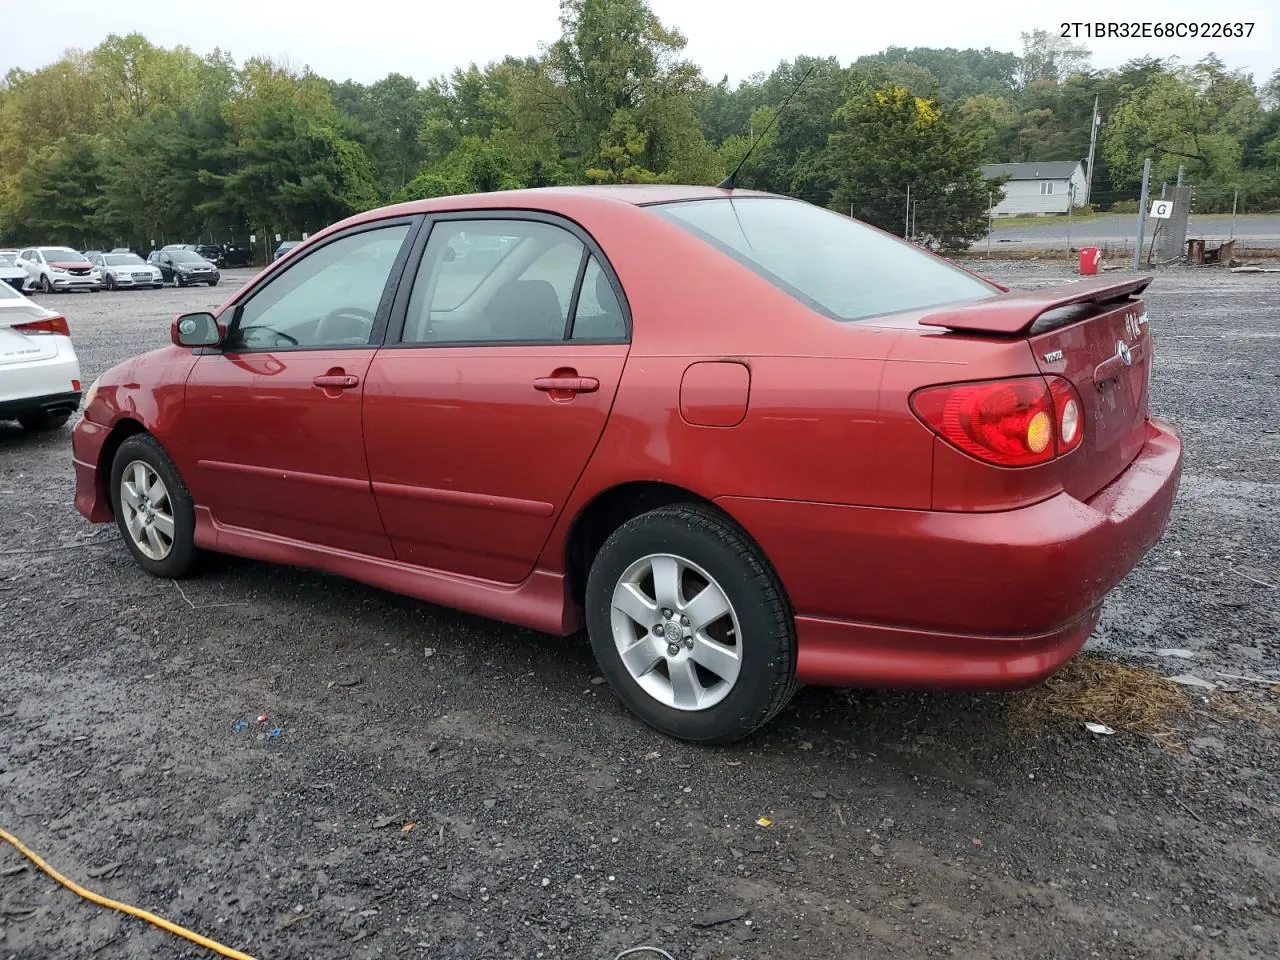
{"points": [[1197, 117], [888, 140]]}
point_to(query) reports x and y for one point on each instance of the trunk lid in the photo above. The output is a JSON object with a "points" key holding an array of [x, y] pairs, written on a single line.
{"points": [[18, 348], [1095, 334]]}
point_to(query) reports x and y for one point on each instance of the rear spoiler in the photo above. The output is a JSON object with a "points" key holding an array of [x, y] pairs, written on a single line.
{"points": [[1015, 313]]}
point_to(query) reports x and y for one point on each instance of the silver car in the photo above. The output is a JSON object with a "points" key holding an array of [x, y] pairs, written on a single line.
{"points": [[123, 270]]}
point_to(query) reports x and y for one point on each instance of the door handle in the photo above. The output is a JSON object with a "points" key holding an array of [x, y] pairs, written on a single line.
{"points": [[567, 384], [340, 381]]}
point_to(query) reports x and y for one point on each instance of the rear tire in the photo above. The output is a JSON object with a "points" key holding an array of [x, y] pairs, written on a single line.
{"points": [[704, 680], [39, 421], [154, 511]]}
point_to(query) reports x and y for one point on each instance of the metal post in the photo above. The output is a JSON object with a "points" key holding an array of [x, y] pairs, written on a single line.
{"points": [[1142, 213], [1071, 202], [906, 225], [1234, 200], [1181, 170], [915, 215], [990, 195]]}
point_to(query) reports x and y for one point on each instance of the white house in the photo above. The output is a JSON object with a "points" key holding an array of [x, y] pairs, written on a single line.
{"points": [[1037, 188]]}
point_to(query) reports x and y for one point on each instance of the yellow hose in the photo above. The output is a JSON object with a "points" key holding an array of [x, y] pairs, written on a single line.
{"points": [[151, 918]]}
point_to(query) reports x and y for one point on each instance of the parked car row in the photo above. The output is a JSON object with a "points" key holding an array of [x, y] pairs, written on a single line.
{"points": [[62, 269]]}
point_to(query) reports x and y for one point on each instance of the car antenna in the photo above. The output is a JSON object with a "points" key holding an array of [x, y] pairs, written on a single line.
{"points": [[731, 181]]}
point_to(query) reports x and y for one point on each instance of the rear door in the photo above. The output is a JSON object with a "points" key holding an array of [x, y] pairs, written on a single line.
{"points": [[486, 404]]}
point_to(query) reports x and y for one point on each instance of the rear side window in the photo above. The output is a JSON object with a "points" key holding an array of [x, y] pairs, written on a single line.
{"points": [[834, 264]]}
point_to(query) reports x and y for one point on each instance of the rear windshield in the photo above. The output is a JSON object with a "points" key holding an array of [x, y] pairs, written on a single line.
{"points": [[834, 264]]}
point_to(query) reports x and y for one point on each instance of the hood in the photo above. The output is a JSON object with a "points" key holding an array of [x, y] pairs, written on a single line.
{"points": [[71, 264]]}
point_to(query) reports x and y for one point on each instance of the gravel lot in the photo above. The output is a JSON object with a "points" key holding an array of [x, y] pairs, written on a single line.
{"points": [[548, 822]]}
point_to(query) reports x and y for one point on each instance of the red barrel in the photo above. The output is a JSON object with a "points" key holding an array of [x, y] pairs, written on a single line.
{"points": [[1089, 257]]}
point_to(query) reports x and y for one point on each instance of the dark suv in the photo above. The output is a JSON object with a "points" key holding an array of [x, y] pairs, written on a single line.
{"points": [[184, 267]]}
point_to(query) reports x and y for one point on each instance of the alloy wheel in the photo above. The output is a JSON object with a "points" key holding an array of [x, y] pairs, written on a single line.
{"points": [[147, 510], [676, 632]]}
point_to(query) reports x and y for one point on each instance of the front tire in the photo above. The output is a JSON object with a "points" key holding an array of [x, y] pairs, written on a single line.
{"points": [[46, 285], [40, 421], [154, 510], [690, 626]]}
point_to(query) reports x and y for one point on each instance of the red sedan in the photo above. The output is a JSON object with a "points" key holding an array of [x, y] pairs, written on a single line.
{"points": [[745, 441]]}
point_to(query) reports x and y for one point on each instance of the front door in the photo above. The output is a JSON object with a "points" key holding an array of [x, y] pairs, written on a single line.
{"points": [[482, 414], [279, 444]]}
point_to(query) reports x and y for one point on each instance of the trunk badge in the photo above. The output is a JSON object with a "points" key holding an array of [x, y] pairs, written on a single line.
{"points": [[1053, 356], [1124, 353]]}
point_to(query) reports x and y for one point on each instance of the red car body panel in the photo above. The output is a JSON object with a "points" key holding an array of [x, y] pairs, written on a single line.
{"points": [[445, 475]]}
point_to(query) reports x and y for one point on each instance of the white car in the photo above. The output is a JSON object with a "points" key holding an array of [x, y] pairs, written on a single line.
{"points": [[11, 273], [39, 370], [55, 269], [125, 269]]}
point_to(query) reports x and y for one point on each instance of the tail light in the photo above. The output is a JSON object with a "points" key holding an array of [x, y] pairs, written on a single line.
{"points": [[55, 324], [1016, 422]]}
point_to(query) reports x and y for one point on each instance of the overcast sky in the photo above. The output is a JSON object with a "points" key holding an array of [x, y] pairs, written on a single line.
{"points": [[424, 38]]}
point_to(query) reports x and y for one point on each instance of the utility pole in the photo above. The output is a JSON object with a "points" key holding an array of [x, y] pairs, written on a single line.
{"points": [[1093, 146], [990, 195], [1234, 201], [915, 211], [1142, 213], [1181, 170], [906, 226]]}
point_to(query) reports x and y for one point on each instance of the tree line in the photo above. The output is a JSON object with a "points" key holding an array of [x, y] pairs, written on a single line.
{"points": [[131, 143]]}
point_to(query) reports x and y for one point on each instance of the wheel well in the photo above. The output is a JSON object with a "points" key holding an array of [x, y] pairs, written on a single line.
{"points": [[121, 432], [606, 513]]}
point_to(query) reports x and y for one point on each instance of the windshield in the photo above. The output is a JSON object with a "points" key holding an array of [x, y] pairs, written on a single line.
{"points": [[185, 256], [62, 255], [7, 261], [119, 259], [834, 264]]}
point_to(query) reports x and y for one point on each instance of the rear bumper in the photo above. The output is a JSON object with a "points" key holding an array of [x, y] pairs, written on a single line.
{"points": [[52, 403], [974, 601], [91, 489]]}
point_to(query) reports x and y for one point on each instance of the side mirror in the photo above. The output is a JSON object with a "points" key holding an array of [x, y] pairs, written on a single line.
{"points": [[195, 330]]}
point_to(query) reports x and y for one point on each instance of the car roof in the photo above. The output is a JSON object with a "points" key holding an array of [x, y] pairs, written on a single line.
{"points": [[551, 200], [637, 194]]}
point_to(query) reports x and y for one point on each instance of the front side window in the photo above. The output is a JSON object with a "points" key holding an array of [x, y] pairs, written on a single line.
{"points": [[833, 264], [327, 299], [494, 281]]}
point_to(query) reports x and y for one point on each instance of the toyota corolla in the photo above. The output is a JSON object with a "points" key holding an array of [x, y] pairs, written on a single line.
{"points": [[744, 441]]}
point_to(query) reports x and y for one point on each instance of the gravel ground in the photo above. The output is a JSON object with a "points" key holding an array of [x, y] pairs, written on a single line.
{"points": [[547, 823]]}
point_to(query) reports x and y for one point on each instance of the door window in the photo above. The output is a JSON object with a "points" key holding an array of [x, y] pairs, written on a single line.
{"points": [[599, 315], [505, 281], [327, 299]]}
